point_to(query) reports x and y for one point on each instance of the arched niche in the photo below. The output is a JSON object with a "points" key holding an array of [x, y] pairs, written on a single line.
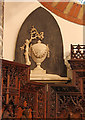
{"points": [[43, 21]]}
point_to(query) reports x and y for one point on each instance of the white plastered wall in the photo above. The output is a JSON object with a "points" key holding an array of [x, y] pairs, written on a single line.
{"points": [[14, 15]]}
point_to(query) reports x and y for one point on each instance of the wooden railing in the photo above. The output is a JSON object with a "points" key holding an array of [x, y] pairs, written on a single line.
{"points": [[68, 100], [18, 89], [57, 101], [66, 104], [77, 51], [14, 76]]}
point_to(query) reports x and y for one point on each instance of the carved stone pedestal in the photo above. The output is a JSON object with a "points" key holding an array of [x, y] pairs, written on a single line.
{"points": [[48, 78]]}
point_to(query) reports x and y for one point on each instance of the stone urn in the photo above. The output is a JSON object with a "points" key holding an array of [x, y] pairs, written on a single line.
{"points": [[39, 52]]}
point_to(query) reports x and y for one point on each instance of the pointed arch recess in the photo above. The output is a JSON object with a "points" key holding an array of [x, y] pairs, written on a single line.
{"points": [[43, 21]]}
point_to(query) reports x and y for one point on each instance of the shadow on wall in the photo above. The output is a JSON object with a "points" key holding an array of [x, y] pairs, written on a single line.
{"points": [[43, 21]]}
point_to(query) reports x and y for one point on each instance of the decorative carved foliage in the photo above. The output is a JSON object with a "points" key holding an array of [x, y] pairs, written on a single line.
{"points": [[4, 76], [23, 73], [62, 104], [77, 64], [29, 97], [81, 73], [84, 85], [34, 95], [14, 70], [78, 82], [71, 104], [77, 51], [11, 99], [4, 99], [8, 109], [11, 72], [66, 89], [17, 88], [52, 103], [41, 102]]}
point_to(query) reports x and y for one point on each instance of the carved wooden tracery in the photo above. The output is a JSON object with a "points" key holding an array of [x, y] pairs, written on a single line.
{"points": [[71, 105], [17, 88], [69, 99], [77, 51], [42, 102], [61, 104], [34, 94], [60, 101], [11, 73], [76, 98], [51, 103]]}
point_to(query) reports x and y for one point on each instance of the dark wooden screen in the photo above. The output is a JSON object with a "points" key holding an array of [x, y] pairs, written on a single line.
{"points": [[17, 88], [68, 100]]}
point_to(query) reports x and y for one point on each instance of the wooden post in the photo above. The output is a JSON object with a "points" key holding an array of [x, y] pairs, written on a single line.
{"points": [[1, 89], [81, 85], [45, 92], [16, 85], [8, 79], [28, 74], [36, 116], [48, 101], [19, 93], [57, 104]]}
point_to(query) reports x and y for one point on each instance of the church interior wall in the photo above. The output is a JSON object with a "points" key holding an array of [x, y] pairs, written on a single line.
{"points": [[14, 15], [60, 97]]}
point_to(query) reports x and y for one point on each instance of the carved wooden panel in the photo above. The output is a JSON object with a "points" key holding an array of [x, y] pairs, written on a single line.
{"points": [[42, 102], [78, 51], [11, 72], [51, 104], [17, 89], [84, 85], [34, 94], [30, 98], [70, 105], [78, 68]]}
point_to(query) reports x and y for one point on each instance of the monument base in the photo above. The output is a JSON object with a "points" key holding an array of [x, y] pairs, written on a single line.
{"points": [[38, 70], [48, 78]]}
